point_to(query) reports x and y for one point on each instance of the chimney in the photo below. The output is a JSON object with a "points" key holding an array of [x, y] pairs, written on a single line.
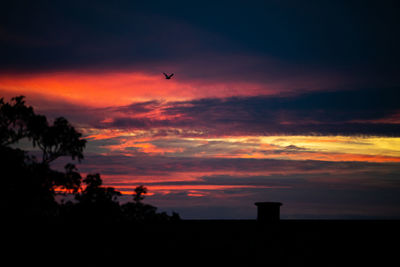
{"points": [[268, 212]]}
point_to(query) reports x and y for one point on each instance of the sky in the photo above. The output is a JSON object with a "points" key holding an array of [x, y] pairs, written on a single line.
{"points": [[288, 101]]}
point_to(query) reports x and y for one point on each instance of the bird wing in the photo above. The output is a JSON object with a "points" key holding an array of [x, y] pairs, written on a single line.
{"points": [[165, 74], [171, 75]]}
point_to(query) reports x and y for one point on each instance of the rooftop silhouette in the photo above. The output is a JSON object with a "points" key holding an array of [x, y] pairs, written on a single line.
{"points": [[268, 211]]}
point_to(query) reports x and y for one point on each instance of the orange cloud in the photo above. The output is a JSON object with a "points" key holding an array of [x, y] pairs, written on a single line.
{"points": [[120, 88], [336, 157]]}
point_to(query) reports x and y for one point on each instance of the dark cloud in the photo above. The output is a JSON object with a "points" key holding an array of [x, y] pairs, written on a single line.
{"points": [[138, 108], [90, 36], [143, 164], [335, 106], [347, 112], [355, 112], [282, 38], [293, 148]]}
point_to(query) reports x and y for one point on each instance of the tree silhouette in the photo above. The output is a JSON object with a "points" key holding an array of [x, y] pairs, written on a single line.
{"points": [[139, 212], [140, 191], [60, 139], [97, 203], [95, 192], [30, 186], [13, 120], [18, 121], [71, 181]]}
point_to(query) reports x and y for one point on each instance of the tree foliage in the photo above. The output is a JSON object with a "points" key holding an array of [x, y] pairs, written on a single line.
{"points": [[18, 121], [140, 191], [30, 186], [14, 117], [59, 139]]}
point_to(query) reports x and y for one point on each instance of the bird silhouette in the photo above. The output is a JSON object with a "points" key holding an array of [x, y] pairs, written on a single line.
{"points": [[168, 76]]}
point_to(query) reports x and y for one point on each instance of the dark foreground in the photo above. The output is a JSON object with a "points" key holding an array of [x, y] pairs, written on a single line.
{"points": [[224, 243]]}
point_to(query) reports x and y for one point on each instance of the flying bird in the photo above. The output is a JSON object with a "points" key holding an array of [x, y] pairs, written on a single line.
{"points": [[168, 76]]}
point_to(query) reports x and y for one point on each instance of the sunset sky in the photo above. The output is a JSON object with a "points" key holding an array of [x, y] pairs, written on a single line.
{"points": [[289, 101]]}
